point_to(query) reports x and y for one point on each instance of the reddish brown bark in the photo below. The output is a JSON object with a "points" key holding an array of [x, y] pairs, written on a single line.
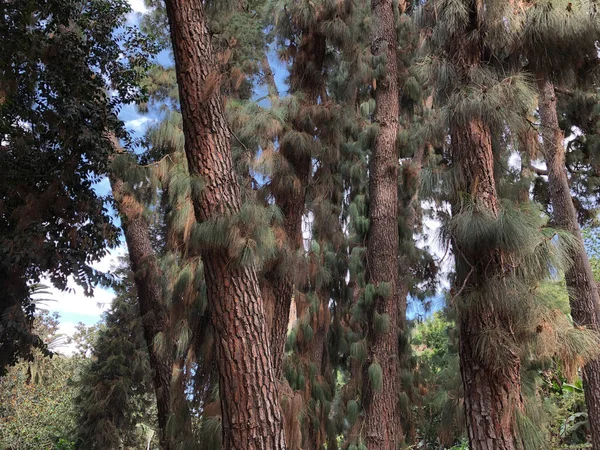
{"points": [[583, 292], [249, 401], [492, 392], [306, 78], [148, 281], [382, 421], [492, 395]]}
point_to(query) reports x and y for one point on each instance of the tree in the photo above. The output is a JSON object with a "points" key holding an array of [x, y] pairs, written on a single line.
{"points": [[114, 394], [36, 396], [497, 270], [560, 39], [54, 108], [381, 392], [250, 408], [152, 306]]}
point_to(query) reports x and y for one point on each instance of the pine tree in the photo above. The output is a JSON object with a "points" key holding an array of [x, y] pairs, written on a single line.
{"points": [[115, 389], [561, 37], [296, 151], [149, 283], [250, 408], [380, 395], [497, 268]]}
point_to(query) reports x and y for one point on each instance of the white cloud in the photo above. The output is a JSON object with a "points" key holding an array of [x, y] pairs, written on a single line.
{"points": [[138, 6], [138, 125], [74, 301], [111, 260], [67, 329]]}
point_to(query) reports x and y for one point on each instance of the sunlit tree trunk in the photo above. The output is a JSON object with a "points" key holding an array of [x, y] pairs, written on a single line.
{"points": [[248, 392]]}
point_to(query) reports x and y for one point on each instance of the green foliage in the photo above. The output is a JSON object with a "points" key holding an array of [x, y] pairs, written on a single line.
{"points": [[376, 376], [358, 350], [40, 413], [556, 33], [37, 397], [113, 393], [381, 323], [352, 410]]}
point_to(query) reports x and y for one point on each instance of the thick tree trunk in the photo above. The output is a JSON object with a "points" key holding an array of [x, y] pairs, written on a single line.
{"points": [[583, 292], [148, 276], [492, 396], [249, 401], [382, 422]]}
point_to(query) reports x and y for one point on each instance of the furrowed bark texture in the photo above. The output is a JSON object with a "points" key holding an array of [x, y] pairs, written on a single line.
{"points": [[306, 77], [382, 421], [583, 292], [249, 400], [148, 276], [491, 396]]}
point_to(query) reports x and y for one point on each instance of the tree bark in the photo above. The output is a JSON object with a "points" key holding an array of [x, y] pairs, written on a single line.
{"points": [[583, 292], [492, 397], [382, 419], [148, 276], [306, 78], [249, 400]]}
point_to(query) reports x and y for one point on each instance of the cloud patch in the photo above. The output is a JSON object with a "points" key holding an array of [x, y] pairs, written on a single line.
{"points": [[138, 6]]}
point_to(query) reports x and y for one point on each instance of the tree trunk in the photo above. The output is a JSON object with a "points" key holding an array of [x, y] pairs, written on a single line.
{"points": [[269, 77], [382, 420], [249, 401], [306, 78], [492, 397], [583, 292], [148, 276]]}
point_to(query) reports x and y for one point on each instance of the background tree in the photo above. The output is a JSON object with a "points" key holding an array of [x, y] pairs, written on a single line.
{"points": [[54, 108], [493, 268], [115, 389], [565, 24]]}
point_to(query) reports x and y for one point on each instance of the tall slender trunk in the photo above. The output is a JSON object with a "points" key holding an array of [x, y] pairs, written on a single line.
{"points": [[148, 276], [381, 413], [583, 292], [249, 400], [269, 76], [309, 61], [492, 396]]}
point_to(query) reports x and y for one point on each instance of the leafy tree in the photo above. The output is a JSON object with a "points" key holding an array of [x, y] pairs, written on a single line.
{"points": [[54, 110], [36, 397]]}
